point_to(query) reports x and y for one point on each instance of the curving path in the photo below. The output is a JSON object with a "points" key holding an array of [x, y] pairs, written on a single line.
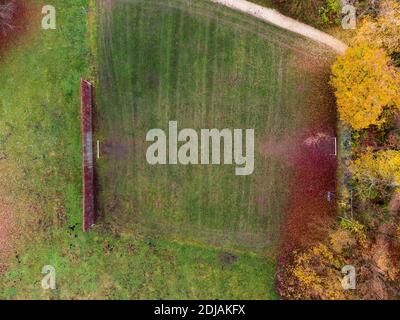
{"points": [[278, 19]]}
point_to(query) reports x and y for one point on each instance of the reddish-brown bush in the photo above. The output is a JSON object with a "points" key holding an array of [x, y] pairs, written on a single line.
{"points": [[13, 21]]}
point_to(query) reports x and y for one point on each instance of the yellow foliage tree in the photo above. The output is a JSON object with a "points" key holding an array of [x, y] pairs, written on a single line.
{"points": [[383, 32], [317, 274], [379, 168], [365, 84]]}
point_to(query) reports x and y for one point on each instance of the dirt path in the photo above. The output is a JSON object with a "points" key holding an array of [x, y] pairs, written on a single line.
{"points": [[275, 18]]}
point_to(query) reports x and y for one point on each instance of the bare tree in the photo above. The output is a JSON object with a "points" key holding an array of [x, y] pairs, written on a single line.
{"points": [[7, 11]]}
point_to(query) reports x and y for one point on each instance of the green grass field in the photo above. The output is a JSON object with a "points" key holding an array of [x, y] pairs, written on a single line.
{"points": [[40, 138], [206, 67], [101, 266]]}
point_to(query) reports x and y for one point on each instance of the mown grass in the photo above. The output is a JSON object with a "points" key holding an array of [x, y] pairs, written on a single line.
{"points": [[99, 266], [40, 136], [204, 66], [39, 111]]}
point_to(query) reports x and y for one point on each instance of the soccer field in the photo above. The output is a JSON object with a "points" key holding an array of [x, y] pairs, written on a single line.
{"points": [[205, 67]]}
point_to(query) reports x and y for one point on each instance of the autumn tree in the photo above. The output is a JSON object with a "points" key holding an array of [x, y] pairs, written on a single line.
{"points": [[365, 85], [314, 274], [317, 12], [384, 31], [379, 169]]}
